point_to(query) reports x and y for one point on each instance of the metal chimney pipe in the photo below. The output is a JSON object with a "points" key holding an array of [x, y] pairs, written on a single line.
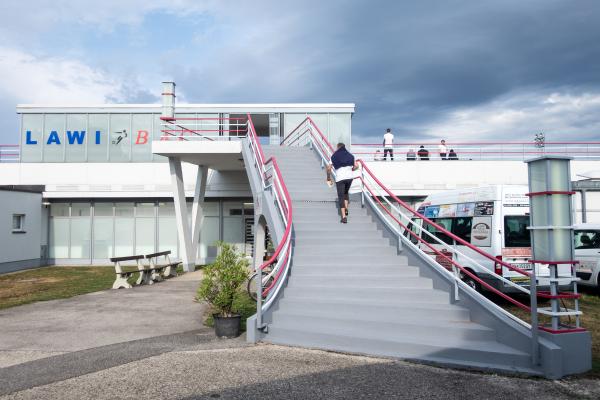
{"points": [[168, 101]]}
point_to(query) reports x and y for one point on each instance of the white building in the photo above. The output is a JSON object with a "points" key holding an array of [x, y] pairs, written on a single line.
{"points": [[104, 193]]}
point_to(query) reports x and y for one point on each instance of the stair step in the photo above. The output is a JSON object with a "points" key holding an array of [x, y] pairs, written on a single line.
{"points": [[376, 239], [324, 274], [424, 329], [377, 270], [447, 351], [325, 249], [385, 311], [360, 282], [349, 259], [425, 295]]}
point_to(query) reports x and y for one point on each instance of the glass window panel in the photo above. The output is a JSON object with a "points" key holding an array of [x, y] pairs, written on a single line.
{"points": [[124, 209], [144, 235], [157, 133], [103, 209], [59, 238], [167, 235], [587, 240], [233, 232], [59, 209], [31, 143], [461, 227], [144, 210], [339, 129], [141, 149], [232, 208], [291, 121], [322, 121], [209, 235], [120, 137], [54, 137], [80, 237], [80, 209], [97, 143], [166, 210], [210, 209], [123, 236], [76, 137], [103, 237]]}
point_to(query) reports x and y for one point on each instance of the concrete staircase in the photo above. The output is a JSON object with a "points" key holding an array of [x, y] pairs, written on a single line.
{"points": [[349, 289]]}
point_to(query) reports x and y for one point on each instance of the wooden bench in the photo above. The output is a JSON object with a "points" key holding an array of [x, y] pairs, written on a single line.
{"points": [[168, 269], [123, 276]]}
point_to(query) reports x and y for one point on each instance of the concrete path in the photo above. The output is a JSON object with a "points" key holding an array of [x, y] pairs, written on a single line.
{"points": [[119, 345], [98, 319]]}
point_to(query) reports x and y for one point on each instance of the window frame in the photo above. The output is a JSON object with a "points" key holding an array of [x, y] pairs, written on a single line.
{"points": [[21, 227]]}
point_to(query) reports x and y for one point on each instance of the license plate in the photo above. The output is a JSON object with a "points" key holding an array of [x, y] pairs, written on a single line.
{"points": [[525, 266], [520, 279]]}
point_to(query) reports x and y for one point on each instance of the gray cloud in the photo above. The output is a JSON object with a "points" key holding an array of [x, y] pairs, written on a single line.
{"points": [[417, 67]]}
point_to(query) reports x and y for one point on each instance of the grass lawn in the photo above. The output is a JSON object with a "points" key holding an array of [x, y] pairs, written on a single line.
{"points": [[51, 283], [589, 305]]}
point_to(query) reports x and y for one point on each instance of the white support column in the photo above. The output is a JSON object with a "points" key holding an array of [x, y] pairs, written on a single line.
{"points": [[197, 213], [183, 226]]}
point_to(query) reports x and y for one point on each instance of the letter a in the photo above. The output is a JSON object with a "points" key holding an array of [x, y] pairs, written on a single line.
{"points": [[142, 137], [53, 138]]}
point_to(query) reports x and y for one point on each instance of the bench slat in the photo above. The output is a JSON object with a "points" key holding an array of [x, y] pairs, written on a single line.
{"points": [[162, 253], [138, 257]]}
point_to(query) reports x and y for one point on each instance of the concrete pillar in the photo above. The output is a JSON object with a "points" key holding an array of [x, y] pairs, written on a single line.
{"points": [[197, 213], [183, 226], [259, 240]]}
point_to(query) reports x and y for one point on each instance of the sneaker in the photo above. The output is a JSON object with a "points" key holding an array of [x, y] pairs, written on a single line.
{"points": [[344, 220]]}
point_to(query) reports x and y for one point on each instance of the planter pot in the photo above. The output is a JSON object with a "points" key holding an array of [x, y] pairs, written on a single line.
{"points": [[228, 327]]}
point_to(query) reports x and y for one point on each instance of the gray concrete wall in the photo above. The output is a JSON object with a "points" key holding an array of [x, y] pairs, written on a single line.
{"points": [[20, 250]]}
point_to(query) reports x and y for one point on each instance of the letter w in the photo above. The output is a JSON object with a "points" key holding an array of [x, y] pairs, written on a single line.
{"points": [[73, 136]]}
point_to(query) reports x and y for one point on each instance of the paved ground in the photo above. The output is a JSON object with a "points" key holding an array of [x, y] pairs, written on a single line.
{"points": [[82, 356]]}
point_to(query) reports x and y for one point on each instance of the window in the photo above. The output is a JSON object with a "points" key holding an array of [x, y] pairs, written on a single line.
{"points": [[516, 233], [18, 223], [446, 223], [587, 239], [461, 227]]}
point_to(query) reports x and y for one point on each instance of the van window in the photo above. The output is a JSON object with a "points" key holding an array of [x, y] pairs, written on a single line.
{"points": [[414, 227], [446, 223], [587, 239], [516, 233], [462, 228]]}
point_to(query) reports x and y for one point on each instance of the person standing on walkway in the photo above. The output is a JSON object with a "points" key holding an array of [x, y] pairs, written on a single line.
{"points": [[344, 164], [443, 149], [388, 144]]}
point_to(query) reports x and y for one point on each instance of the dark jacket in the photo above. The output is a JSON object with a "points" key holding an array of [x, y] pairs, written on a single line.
{"points": [[342, 158], [423, 154]]}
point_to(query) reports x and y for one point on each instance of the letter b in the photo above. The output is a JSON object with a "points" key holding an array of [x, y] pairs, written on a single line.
{"points": [[142, 137]]}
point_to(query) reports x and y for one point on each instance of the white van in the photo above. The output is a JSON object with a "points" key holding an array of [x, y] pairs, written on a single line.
{"points": [[493, 218], [587, 252]]}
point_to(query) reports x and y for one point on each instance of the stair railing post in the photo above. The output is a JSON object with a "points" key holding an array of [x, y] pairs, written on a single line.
{"points": [[259, 290], [362, 188], [535, 356]]}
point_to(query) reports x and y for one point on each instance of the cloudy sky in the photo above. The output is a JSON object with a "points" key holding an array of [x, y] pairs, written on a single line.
{"points": [[463, 70]]}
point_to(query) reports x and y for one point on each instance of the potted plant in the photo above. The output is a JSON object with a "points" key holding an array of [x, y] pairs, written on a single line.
{"points": [[222, 280]]}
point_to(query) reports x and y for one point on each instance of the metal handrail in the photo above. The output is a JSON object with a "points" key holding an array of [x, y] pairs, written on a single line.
{"points": [[9, 152], [325, 150], [283, 203]]}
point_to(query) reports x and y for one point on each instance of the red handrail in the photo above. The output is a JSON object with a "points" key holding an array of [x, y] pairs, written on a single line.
{"points": [[444, 256], [279, 186], [416, 213], [438, 227]]}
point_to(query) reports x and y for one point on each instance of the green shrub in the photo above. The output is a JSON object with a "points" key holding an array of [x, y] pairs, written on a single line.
{"points": [[223, 279]]}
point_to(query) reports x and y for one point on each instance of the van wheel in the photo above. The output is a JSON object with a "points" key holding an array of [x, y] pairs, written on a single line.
{"points": [[471, 282]]}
